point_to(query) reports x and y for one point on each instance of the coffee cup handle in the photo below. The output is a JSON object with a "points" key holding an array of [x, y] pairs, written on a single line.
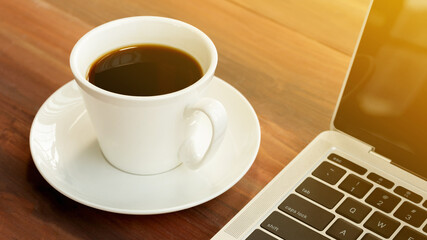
{"points": [[217, 115]]}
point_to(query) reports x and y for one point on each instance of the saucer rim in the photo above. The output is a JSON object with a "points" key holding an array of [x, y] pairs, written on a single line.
{"points": [[130, 211]]}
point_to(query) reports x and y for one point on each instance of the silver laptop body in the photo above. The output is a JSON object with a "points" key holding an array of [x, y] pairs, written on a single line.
{"points": [[365, 178]]}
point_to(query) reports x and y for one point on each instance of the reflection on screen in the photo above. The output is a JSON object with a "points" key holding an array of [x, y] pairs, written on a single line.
{"points": [[385, 100]]}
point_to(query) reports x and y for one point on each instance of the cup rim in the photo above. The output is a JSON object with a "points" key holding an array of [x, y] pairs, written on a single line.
{"points": [[86, 85]]}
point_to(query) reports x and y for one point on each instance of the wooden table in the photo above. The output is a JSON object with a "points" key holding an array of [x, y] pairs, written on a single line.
{"points": [[288, 57]]}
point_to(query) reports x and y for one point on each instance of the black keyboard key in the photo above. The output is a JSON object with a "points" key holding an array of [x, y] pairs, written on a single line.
{"points": [[289, 229], [259, 235], [409, 234], [408, 194], [380, 180], [355, 186], [319, 192], [343, 230], [306, 211], [369, 236], [383, 200], [411, 214], [329, 172], [381, 224], [347, 164], [353, 210]]}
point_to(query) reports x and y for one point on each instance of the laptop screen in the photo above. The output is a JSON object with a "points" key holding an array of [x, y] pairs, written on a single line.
{"points": [[384, 102]]}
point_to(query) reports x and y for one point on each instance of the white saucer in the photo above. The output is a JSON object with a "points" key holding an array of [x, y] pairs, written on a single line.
{"points": [[67, 155]]}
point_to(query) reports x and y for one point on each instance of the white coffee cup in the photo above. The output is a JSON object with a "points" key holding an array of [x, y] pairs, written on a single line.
{"points": [[149, 135]]}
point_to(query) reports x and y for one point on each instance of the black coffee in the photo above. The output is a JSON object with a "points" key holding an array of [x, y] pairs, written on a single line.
{"points": [[145, 70]]}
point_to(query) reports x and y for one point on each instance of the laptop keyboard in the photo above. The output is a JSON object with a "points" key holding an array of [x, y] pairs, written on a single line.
{"points": [[346, 207]]}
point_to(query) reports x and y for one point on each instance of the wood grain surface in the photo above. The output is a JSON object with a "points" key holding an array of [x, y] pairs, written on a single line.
{"points": [[288, 57]]}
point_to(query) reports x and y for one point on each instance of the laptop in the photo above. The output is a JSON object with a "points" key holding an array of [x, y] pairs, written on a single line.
{"points": [[365, 178]]}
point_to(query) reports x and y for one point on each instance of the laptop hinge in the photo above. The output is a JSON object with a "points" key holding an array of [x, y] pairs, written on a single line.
{"points": [[379, 156], [370, 148], [366, 147]]}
